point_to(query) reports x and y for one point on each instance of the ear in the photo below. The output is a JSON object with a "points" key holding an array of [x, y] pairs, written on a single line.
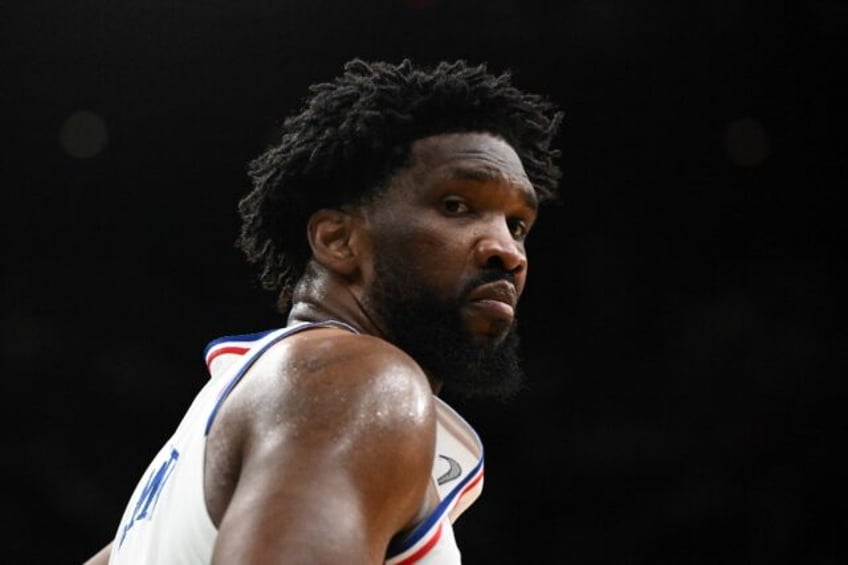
{"points": [[332, 239]]}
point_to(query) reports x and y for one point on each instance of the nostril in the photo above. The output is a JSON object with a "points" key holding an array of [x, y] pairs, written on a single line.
{"points": [[504, 257], [498, 262]]}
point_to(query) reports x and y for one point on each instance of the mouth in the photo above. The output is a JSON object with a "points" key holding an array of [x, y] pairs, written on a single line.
{"points": [[495, 300]]}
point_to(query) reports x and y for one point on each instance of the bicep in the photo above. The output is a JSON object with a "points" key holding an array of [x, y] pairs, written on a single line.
{"points": [[316, 520], [101, 557], [339, 480], [336, 509]]}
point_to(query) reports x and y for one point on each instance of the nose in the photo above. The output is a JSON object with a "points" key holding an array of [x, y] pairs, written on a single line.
{"points": [[498, 249]]}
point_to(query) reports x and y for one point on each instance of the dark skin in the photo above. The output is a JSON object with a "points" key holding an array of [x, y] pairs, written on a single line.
{"points": [[323, 452]]}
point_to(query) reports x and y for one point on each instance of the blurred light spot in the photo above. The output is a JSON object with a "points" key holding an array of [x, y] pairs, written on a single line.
{"points": [[21, 338], [84, 135], [418, 4], [746, 142]]}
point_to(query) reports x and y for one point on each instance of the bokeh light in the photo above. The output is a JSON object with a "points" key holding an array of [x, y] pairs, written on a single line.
{"points": [[84, 135], [746, 142]]}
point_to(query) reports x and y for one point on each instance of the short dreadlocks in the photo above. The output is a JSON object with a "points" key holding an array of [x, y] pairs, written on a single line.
{"points": [[354, 132]]}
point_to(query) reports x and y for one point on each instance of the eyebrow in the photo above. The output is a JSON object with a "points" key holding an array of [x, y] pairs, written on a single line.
{"points": [[489, 174]]}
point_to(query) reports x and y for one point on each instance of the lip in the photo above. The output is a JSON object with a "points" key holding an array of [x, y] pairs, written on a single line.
{"points": [[496, 298]]}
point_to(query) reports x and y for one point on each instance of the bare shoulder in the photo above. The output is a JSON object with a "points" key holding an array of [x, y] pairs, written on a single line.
{"points": [[336, 440], [358, 379], [331, 390]]}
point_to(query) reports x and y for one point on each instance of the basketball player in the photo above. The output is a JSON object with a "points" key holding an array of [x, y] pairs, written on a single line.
{"points": [[391, 216]]}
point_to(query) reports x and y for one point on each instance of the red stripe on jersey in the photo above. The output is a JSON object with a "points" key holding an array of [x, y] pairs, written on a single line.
{"points": [[472, 484], [224, 350], [424, 549]]}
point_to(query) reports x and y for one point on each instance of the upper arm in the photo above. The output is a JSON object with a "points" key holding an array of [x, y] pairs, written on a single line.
{"points": [[339, 466], [101, 557]]}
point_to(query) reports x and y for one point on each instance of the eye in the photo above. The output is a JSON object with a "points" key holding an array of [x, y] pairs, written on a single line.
{"points": [[455, 206], [517, 227]]}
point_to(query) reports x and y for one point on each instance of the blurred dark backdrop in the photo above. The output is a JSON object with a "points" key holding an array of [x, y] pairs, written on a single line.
{"points": [[682, 331]]}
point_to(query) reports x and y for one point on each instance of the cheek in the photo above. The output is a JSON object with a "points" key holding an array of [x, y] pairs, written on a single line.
{"points": [[428, 242], [444, 253], [437, 257]]}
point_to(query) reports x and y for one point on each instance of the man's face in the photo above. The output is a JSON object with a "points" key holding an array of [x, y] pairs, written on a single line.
{"points": [[449, 262]]}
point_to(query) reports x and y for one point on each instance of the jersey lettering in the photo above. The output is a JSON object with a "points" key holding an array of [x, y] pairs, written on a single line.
{"points": [[150, 493]]}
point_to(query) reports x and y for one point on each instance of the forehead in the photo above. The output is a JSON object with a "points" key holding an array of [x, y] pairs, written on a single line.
{"points": [[469, 156]]}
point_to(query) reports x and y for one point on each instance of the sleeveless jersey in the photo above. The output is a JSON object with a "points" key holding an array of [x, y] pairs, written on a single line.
{"points": [[166, 521]]}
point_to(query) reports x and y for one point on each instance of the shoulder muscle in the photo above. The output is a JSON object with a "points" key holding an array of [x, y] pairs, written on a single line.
{"points": [[340, 446]]}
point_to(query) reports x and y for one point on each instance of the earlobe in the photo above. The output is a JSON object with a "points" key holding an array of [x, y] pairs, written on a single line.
{"points": [[329, 232]]}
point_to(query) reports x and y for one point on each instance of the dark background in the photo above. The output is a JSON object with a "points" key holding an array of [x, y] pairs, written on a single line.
{"points": [[682, 331]]}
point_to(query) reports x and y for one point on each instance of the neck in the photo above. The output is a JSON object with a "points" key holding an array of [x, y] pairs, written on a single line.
{"points": [[321, 295]]}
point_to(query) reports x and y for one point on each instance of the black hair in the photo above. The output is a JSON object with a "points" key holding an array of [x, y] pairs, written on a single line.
{"points": [[354, 132]]}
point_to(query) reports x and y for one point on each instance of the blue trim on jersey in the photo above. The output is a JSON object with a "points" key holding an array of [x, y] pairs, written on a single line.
{"points": [[255, 355], [244, 337], [397, 547], [237, 377]]}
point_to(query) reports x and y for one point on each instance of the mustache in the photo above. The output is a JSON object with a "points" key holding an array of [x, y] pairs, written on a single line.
{"points": [[485, 277]]}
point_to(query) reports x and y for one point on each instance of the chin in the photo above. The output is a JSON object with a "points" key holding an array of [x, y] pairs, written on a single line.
{"points": [[491, 334]]}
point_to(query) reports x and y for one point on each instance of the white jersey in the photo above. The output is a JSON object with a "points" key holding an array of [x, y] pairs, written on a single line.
{"points": [[166, 521]]}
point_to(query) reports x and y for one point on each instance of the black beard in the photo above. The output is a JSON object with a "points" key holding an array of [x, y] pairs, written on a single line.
{"points": [[432, 331]]}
